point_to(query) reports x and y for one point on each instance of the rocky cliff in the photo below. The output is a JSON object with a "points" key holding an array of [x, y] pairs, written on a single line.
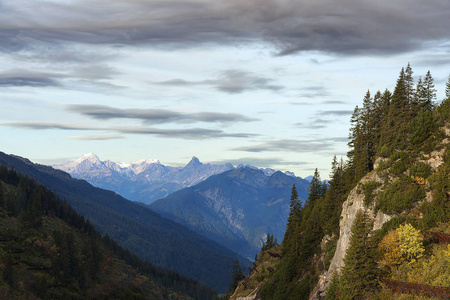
{"points": [[355, 202]]}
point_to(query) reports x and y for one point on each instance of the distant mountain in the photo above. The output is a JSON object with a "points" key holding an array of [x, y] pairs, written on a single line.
{"points": [[142, 231], [236, 208], [145, 180]]}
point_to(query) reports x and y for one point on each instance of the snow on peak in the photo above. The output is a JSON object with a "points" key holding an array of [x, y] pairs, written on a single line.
{"points": [[92, 157], [145, 162]]}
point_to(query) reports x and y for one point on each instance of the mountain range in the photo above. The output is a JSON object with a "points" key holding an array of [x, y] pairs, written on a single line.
{"points": [[234, 206], [237, 208], [145, 233], [144, 180]]}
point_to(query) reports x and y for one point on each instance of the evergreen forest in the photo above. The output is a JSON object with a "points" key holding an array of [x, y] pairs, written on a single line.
{"points": [[48, 251], [399, 164]]}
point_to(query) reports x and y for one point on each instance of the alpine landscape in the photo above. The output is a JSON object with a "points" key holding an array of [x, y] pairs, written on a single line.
{"points": [[238, 150]]}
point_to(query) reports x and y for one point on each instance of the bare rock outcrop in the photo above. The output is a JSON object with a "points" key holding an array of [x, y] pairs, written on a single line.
{"points": [[350, 207]]}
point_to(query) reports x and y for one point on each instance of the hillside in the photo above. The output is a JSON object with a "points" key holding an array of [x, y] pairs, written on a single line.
{"points": [[379, 229], [237, 208], [145, 233], [48, 251]]}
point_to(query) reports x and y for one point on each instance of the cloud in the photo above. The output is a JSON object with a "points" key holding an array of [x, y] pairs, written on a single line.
{"points": [[86, 76], [47, 125], [352, 27], [299, 146], [156, 116], [230, 81], [334, 102], [188, 134], [314, 92], [291, 145], [314, 124], [336, 112], [96, 137], [18, 77]]}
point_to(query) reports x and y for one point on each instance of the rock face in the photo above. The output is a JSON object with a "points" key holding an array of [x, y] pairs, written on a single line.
{"points": [[350, 207]]}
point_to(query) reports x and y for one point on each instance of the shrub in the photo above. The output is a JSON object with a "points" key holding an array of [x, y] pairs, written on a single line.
{"points": [[411, 242], [368, 189], [398, 197], [420, 169]]}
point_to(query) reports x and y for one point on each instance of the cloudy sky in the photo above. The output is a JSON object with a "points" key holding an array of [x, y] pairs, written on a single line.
{"points": [[266, 82]]}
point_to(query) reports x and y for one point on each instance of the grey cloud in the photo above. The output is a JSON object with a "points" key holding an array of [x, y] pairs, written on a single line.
{"points": [[96, 137], [289, 145], [234, 81], [80, 76], [189, 134], [27, 81], [334, 102], [230, 81], [18, 77], [314, 124], [433, 60], [336, 112], [347, 27], [314, 92], [154, 116], [47, 125]]}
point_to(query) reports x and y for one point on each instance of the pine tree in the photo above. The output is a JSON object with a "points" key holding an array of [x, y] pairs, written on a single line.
{"points": [[236, 276], [399, 112], [409, 84], [429, 92], [292, 221], [447, 88], [316, 188], [271, 241], [359, 275]]}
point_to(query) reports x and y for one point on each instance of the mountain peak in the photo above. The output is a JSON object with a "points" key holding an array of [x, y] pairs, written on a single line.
{"points": [[195, 162], [92, 157]]}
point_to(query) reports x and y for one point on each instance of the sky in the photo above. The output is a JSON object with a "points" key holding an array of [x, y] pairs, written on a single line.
{"points": [[271, 83]]}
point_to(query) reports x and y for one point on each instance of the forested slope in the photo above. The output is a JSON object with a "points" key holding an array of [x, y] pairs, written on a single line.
{"points": [[392, 189], [48, 251]]}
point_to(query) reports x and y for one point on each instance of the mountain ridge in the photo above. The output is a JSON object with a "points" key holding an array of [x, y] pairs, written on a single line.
{"points": [[145, 180], [236, 208], [142, 231]]}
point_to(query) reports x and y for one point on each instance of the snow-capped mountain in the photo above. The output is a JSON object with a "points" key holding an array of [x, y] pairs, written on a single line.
{"points": [[144, 180]]}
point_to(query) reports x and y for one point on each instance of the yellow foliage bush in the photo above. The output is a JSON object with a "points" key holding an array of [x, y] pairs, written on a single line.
{"points": [[390, 248], [433, 270], [411, 242]]}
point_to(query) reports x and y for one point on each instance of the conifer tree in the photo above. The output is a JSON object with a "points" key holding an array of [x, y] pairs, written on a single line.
{"points": [[399, 112], [409, 83], [271, 241], [316, 188], [293, 220], [429, 93], [236, 276], [447, 88], [359, 275]]}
